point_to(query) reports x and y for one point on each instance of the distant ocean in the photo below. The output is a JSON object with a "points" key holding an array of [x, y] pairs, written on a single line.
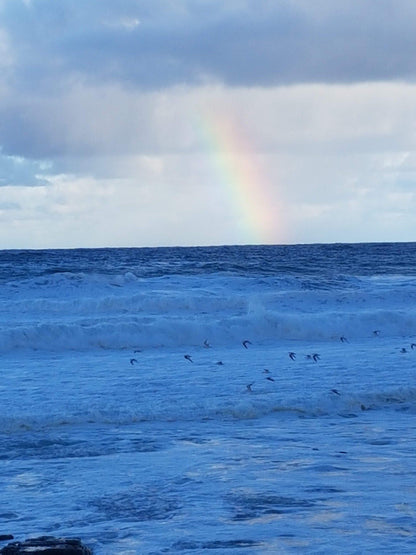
{"points": [[236, 399]]}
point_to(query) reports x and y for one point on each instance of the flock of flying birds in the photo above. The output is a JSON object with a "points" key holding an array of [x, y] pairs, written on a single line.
{"points": [[292, 355]]}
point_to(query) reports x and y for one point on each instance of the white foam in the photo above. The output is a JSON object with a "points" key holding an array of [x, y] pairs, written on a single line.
{"points": [[185, 310]]}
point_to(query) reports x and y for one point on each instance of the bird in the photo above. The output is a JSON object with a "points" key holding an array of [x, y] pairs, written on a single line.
{"points": [[376, 332], [133, 361], [413, 346], [220, 363], [292, 356], [343, 339], [316, 357], [270, 379], [206, 344], [248, 386], [335, 391], [403, 350], [188, 357], [245, 343], [265, 371]]}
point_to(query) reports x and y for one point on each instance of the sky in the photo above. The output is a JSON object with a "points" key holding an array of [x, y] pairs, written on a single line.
{"points": [[206, 122]]}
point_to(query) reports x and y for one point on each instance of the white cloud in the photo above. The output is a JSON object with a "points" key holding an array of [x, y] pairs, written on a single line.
{"points": [[119, 167], [73, 211]]}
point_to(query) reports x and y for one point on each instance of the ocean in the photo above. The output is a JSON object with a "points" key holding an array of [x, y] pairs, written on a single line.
{"points": [[224, 400]]}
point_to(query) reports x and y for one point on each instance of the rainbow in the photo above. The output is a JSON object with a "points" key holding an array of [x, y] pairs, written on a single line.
{"points": [[251, 195]]}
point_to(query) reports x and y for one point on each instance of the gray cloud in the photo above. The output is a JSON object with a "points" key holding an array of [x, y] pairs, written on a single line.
{"points": [[154, 43], [52, 52], [120, 111]]}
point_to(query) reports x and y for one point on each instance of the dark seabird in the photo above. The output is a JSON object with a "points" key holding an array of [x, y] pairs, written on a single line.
{"points": [[248, 386], [403, 350], [265, 371], [343, 339], [246, 342], [292, 356], [308, 357], [137, 350], [133, 361], [270, 379], [335, 391], [413, 346], [206, 344], [316, 357], [220, 363], [188, 357], [376, 332]]}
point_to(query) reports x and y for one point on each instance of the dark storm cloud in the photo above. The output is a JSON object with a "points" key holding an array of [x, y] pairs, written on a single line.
{"points": [[154, 43]]}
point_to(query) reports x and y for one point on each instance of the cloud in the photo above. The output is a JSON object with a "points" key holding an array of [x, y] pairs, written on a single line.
{"points": [[77, 210], [156, 165], [98, 77], [108, 120], [155, 44], [206, 122]]}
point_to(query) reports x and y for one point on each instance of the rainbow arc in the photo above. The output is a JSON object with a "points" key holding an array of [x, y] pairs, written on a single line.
{"points": [[239, 168]]}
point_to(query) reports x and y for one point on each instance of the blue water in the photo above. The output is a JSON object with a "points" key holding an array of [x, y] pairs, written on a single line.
{"points": [[279, 260], [108, 433]]}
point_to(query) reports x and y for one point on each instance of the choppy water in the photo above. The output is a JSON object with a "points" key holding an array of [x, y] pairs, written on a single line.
{"points": [[108, 433]]}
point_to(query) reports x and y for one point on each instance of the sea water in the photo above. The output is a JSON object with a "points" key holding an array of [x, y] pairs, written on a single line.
{"points": [[302, 439]]}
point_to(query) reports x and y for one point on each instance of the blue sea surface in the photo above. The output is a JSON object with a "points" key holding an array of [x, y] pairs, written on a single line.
{"points": [[363, 259], [236, 399]]}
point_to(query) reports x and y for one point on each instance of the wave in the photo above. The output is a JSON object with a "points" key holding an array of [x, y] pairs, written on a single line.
{"points": [[313, 260], [79, 312], [170, 330], [328, 403], [114, 323]]}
